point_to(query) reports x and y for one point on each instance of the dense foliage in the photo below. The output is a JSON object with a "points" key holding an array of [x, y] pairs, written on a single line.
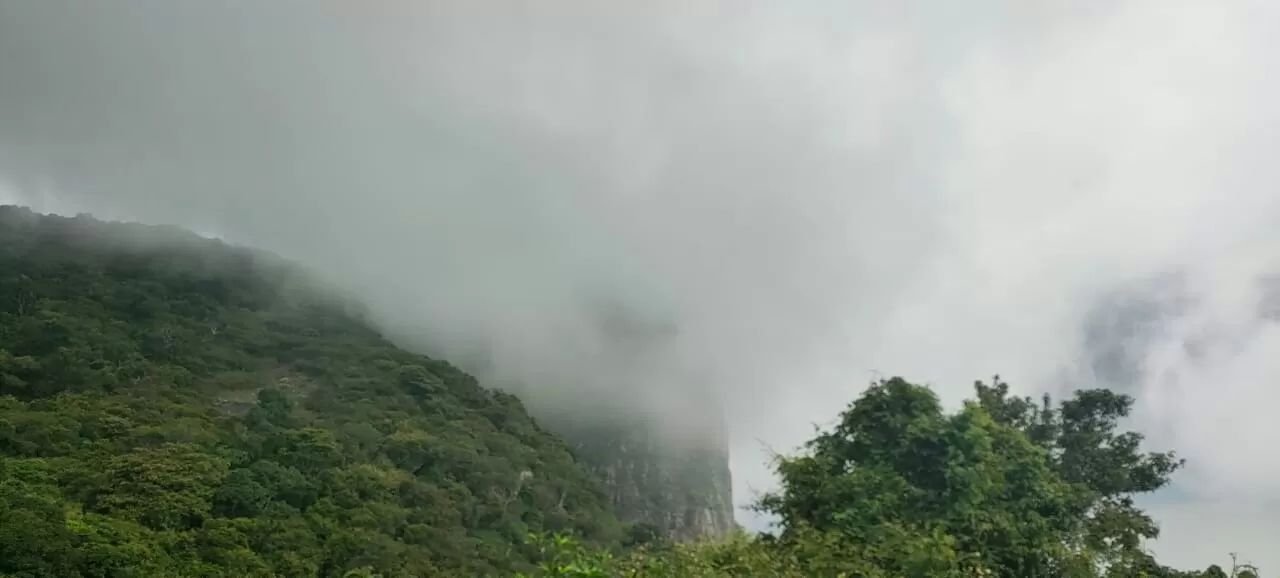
{"points": [[169, 406], [1004, 487]]}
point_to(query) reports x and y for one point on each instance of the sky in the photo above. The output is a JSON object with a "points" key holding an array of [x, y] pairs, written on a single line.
{"points": [[814, 193]]}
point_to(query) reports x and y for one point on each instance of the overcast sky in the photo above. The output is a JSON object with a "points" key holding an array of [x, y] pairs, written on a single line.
{"points": [[813, 192]]}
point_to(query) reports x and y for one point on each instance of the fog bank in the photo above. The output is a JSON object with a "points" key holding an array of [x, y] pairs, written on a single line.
{"points": [[805, 193]]}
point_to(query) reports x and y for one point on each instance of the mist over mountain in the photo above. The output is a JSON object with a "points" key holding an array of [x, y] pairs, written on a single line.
{"points": [[805, 193]]}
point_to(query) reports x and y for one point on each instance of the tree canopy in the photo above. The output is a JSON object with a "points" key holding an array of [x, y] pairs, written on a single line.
{"points": [[175, 406], [1004, 487]]}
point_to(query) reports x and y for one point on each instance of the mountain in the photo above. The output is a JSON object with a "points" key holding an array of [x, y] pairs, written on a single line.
{"points": [[651, 428], [172, 405], [669, 488]]}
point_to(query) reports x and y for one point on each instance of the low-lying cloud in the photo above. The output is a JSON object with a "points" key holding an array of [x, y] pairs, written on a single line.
{"points": [[808, 192]]}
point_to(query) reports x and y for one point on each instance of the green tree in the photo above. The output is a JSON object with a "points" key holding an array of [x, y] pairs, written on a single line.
{"points": [[1082, 438], [34, 539], [899, 487], [913, 491], [165, 488]]}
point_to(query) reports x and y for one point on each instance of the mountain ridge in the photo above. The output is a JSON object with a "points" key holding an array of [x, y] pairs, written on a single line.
{"points": [[175, 405]]}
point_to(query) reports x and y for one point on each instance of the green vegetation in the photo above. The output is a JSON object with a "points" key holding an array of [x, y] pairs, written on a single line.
{"points": [[1005, 487], [171, 406]]}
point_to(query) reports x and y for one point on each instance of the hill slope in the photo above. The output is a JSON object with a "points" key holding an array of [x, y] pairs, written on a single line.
{"points": [[654, 432], [174, 406]]}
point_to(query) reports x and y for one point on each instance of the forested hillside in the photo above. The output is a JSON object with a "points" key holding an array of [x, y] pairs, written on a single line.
{"points": [[174, 406]]}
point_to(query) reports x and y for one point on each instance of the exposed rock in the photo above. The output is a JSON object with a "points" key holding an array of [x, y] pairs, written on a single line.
{"points": [[681, 487]]}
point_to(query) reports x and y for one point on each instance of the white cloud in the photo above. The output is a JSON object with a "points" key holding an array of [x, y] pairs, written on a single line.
{"points": [[811, 190]]}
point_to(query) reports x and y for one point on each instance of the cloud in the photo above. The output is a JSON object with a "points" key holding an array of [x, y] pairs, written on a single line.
{"points": [[808, 191]]}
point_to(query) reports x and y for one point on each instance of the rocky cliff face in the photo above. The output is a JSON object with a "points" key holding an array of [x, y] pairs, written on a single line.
{"points": [[680, 487], [649, 427], [664, 465]]}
